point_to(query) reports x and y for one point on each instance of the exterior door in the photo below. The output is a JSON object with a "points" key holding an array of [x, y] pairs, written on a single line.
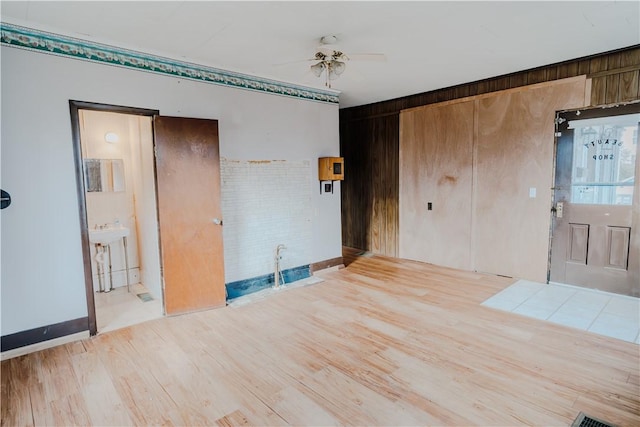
{"points": [[189, 213], [595, 240]]}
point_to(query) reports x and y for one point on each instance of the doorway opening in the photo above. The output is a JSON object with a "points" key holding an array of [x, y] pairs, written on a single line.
{"points": [[114, 156], [595, 239]]}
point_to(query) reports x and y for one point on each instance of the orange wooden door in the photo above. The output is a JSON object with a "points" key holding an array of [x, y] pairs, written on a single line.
{"points": [[188, 185]]}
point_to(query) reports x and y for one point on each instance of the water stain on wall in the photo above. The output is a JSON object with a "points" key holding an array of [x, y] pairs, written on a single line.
{"points": [[447, 179]]}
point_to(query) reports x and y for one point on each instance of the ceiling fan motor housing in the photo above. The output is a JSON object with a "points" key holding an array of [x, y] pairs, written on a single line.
{"points": [[331, 39]]}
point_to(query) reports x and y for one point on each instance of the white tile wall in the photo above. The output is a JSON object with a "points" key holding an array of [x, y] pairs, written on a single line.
{"points": [[265, 203]]}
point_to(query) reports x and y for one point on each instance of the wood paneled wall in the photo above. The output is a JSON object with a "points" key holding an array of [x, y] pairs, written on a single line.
{"points": [[371, 133], [479, 160], [514, 156], [370, 209], [436, 174]]}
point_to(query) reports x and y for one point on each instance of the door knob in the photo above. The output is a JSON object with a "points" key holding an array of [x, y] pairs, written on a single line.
{"points": [[217, 221]]}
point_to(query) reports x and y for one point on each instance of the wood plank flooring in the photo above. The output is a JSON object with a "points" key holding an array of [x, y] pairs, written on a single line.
{"points": [[381, 342]]}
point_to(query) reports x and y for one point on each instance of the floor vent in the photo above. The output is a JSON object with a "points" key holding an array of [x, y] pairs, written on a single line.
{"points": [[583, 420], [145, 297]]}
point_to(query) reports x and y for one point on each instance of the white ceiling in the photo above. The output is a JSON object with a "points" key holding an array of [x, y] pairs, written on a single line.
{"points": [[429, 45]]}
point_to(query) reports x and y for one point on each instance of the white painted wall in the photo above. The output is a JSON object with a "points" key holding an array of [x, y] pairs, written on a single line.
{"points": [[42, 273]]}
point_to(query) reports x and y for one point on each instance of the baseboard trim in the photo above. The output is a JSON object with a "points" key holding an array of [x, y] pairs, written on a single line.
{"points": [[255, 284], [10, 354], [43, 333], [328, 263]]}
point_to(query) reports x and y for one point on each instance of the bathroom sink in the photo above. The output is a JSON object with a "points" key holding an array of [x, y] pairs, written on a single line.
{"points": [[107, 235]]}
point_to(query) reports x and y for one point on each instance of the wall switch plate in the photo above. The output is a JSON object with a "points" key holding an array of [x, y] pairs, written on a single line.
{"points": [[429, 206], [532, 192]]}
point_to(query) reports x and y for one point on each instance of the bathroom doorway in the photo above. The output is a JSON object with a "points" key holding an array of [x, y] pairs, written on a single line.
{"points": [[122, 260], [150, 211]]}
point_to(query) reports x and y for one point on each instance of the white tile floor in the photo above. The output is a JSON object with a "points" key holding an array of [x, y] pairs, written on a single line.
{"points": [[603, 313], [119, 308]]}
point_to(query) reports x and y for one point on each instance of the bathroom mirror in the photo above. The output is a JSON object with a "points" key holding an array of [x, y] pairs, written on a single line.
{"points": [[104, 175]]}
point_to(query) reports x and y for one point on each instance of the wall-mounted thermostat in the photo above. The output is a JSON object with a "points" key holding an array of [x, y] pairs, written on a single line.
{"points": [[330, 169]]}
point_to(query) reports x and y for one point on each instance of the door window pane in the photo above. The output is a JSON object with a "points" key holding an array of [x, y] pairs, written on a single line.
{"points": [[604, 160]]}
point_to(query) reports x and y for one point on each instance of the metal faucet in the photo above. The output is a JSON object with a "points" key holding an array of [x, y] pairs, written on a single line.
{"points": [[277, 272]]}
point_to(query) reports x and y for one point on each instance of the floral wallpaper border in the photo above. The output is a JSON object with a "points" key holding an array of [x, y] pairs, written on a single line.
{"points": [[27, 38]]}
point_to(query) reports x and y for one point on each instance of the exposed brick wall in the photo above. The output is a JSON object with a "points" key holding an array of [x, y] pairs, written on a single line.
{"points": [[265, 203]]}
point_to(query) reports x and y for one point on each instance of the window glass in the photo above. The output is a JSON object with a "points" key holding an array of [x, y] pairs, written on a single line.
{"points": [[604, 160]]}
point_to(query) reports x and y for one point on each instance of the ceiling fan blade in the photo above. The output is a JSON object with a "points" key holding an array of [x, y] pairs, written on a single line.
{"points": [[366, 56], [300, 61]]}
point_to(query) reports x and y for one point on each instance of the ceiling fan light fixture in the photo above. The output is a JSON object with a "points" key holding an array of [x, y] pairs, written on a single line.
{"points": [[337, 67], [332, 59], [318, 68]]}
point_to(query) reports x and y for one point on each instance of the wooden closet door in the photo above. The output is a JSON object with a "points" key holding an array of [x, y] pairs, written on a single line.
{"points": [[188, 185]]}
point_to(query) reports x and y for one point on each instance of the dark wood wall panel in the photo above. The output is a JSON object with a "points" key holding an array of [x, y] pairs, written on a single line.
{"points": [[629, 85], [370, 212], [369, 138], [629, 88], [612, 63], [598, 84], [355, 189]]}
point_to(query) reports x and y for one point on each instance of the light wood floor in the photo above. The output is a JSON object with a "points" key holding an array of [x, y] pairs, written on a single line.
{"points": [[381, 342]]}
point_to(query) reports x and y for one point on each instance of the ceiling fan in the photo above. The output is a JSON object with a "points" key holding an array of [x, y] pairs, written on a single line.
{"points": [[331, 60]]}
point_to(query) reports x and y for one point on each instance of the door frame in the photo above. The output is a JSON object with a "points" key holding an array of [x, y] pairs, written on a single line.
{"points": [[580, 113], [74, 108]]}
